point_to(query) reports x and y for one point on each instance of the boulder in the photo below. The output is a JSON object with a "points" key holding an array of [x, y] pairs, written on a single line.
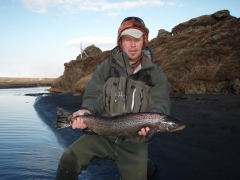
{"points": [[162, 32], [90, 51]]}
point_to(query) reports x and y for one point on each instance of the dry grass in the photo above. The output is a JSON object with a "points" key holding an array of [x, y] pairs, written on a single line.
{"points": [[25, 81]]}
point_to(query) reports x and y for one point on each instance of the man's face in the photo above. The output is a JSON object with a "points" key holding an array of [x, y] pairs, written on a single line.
{"points": [[132, 47]]}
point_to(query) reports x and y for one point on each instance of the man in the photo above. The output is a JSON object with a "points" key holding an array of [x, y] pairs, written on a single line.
{"points": [[129, 82]]}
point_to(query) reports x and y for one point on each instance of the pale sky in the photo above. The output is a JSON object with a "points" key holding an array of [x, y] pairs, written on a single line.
{"points": [[38, 36]]}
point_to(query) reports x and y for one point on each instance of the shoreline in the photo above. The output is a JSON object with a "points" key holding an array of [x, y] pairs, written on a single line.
{"points": [[8, 82], [208, 148], [10, 86]]}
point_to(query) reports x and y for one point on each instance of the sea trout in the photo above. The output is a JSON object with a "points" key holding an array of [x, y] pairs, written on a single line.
{"points": [[123, 125]]}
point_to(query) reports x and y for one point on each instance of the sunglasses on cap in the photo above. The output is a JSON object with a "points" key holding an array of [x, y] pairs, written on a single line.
{"points": [[135, 18]]}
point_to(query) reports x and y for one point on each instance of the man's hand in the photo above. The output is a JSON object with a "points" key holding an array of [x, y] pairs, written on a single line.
{"points": [[79, 123], [143, 131]]}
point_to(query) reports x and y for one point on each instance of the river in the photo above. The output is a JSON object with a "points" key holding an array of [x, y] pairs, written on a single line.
{"points": [[28, 147]]}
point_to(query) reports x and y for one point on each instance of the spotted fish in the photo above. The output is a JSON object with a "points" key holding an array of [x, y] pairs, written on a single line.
{"points": [[123, 125]]}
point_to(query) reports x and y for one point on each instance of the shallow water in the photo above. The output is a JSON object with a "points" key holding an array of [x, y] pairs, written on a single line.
{"points": [[28, 147]]}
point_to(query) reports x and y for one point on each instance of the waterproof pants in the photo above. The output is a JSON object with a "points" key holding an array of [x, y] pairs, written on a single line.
{"points": [[130, 158]]}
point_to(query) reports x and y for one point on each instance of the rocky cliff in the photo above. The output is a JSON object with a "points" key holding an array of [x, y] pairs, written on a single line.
{"points": [[200, 56]]}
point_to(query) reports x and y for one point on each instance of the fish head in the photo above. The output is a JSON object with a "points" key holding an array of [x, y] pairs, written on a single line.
{"points": [[171, 124]]}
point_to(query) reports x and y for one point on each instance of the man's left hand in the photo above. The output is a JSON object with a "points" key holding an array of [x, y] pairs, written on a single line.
{"points": [[143, 131]]}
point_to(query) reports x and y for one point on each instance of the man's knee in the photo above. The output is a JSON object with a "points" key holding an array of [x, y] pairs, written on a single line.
{"points": [[69, 161]]}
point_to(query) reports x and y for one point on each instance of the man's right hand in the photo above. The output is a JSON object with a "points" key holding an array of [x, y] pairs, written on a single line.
{"points": [[79, 123]]}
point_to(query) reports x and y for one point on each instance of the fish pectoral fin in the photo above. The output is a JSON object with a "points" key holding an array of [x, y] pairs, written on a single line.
{"points": [[151, 135], [88, 131]]}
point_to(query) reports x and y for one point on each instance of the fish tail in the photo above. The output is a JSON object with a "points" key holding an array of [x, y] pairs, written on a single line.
{"points": [[62, 119]]}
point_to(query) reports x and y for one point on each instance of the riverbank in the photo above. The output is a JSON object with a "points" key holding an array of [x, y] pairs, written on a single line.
{"points": [[7, 83], [208, 148]]}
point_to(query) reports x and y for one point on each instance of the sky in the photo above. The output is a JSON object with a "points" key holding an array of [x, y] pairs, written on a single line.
{"points": [[38, 36]]}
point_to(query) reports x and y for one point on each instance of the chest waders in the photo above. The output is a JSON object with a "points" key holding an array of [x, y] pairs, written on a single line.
{"points": [[123, 93]]}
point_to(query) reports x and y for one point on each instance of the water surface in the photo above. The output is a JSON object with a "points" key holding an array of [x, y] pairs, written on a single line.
{"points": [[28, 147]]}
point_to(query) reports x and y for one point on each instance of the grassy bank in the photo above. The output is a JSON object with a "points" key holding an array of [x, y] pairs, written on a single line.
{"points": [[24, 82]]}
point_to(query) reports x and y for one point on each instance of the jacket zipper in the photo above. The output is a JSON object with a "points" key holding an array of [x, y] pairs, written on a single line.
{"points": [[141, 98], [133, 98], [109, 98], [125, 102], [105, 91]]}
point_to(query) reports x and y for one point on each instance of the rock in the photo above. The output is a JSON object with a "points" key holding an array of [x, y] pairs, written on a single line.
{"points": [[90, 51], [202, 57], [235, 85], [77, 72], [194, 25], [163, 32], [81, 85], [220, 15]]}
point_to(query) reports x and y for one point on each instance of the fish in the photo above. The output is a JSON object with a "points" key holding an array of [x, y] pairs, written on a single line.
{"points": [[122, 125]]}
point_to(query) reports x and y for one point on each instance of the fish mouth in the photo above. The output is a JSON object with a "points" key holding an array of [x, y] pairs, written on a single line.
{"points": [[178, 128]]}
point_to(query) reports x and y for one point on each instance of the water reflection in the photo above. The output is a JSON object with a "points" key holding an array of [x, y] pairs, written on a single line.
{"points": [[28, 148]]}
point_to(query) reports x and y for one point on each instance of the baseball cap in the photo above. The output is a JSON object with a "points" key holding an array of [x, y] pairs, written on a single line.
{"points": [[132, 32]]}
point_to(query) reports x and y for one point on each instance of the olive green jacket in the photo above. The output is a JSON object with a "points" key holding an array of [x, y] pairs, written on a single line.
{"points": [[113, 89]]}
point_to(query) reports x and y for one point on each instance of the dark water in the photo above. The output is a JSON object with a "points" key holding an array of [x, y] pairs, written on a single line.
{"points": [[28, 147]]}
